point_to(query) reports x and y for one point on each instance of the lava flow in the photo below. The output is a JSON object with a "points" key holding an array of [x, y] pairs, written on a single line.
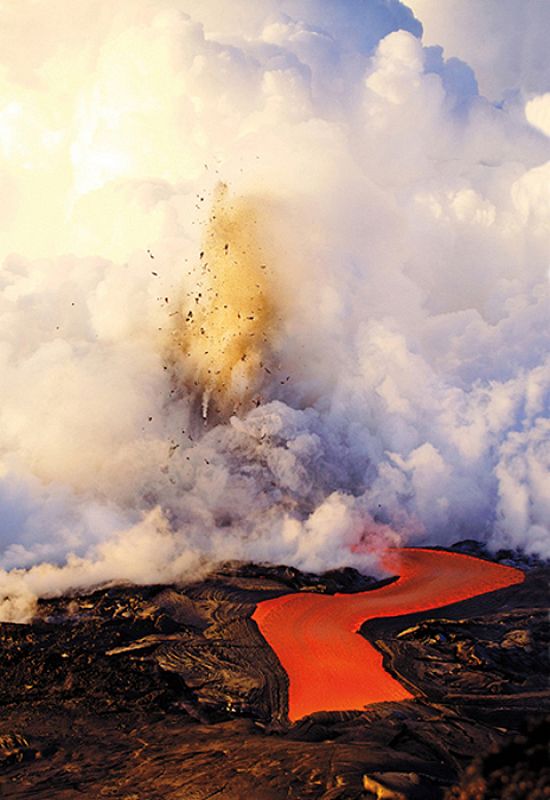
{"points": [[332, 668]]}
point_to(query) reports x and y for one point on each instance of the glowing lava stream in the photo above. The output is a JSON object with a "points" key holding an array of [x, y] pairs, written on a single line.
{"points": [[332, 668]]}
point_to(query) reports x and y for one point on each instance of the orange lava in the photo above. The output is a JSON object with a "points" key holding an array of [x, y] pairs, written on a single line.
{"points": [[332, 668]]}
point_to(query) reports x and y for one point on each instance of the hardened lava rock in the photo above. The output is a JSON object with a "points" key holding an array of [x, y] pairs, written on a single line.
{"points": [[519, 770], [170, 692]]}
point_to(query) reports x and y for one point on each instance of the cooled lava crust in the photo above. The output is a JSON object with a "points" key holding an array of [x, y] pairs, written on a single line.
{"points": [[171, 693]]}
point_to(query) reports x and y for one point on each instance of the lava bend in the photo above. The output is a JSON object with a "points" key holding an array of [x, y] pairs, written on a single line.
{"points": [[331, 667]]}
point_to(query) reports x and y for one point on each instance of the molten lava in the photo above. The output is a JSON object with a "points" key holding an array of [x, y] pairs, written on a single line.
{"points": [[329, 666]]}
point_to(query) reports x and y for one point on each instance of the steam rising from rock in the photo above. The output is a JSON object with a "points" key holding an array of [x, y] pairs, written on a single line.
{"points": [[384, 379]]}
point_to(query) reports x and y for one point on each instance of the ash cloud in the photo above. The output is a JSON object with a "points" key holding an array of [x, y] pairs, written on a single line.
{"points": [[403, 221]]}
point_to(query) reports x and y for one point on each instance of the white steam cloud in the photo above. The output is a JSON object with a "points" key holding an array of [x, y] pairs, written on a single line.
{"points": [[404, 223], [505, 41]]}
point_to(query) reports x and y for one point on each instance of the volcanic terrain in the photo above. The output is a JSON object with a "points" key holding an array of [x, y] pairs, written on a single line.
{"points": [[172, 692]]}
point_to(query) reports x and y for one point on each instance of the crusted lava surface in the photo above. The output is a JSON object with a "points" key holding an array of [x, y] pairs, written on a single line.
{"points": [[143, 693]]}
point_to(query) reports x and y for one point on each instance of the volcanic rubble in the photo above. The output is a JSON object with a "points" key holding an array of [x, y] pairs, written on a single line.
{"points": [[143, 693]]}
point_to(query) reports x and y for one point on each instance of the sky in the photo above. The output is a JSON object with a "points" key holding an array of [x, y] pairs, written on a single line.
{"points": [[273, 285]]}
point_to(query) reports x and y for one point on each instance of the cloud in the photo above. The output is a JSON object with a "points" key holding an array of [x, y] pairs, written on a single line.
{"points": [[381, 253], [502, 40]]}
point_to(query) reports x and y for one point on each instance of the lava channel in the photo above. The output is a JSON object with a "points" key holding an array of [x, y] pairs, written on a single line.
{"points": [[330, 666]]}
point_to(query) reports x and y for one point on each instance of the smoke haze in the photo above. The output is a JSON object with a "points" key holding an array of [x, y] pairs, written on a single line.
{"points": [[288, 217]]}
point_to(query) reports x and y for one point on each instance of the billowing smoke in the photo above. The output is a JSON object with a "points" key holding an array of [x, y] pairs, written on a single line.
{"points": [[274, 286], [506, 45]]}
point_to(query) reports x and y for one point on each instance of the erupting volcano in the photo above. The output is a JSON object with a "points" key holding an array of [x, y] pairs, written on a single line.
{"points": [[273, 325]]}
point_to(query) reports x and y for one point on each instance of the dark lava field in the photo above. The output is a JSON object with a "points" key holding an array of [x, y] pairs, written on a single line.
{"points": [[171, 693]]}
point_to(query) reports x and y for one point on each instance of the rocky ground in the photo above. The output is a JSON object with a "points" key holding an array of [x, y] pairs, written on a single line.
{"points": [[171, 693]]}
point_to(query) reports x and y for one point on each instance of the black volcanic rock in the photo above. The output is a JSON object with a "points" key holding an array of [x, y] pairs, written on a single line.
{"points": [[519, 769], [490, 653], [139, 693]]}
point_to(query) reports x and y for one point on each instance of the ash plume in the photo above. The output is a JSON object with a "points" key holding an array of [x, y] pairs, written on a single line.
{"points": [[223, 331], [372, 288]]}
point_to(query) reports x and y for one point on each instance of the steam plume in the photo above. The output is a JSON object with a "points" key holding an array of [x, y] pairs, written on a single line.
{"points": [[385, 378]]}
